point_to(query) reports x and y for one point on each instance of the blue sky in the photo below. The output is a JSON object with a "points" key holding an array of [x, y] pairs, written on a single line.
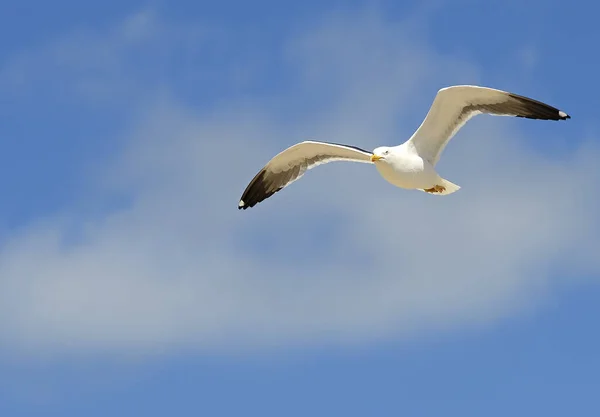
{"points": [[131, 284]]}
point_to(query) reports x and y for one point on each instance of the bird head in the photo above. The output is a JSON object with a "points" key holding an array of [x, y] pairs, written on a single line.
{"points": [[380, 153]]}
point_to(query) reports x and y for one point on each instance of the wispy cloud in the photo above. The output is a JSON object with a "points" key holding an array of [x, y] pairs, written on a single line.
{"points": [[340, 255], [111, 64]]}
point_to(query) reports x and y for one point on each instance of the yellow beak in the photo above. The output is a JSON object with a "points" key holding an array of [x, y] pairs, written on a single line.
{"points": [[375, 158]]}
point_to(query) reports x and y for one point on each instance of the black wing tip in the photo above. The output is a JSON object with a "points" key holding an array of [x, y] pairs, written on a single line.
{"points": [[254, 193], [242, 205], [558, 117], [257, 191], [539, 110], [563, 116]]}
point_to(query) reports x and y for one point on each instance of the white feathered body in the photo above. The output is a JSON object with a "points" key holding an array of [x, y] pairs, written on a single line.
{"points": [[404, 168]]}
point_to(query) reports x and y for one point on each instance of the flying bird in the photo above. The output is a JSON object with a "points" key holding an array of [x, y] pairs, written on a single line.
{"points": [[410, 165]]}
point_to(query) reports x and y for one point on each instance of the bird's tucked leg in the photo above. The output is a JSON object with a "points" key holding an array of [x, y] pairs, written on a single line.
{"points": [[436, 189]]}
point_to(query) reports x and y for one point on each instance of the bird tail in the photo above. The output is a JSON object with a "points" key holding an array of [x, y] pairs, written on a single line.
{"points": [[449, 188]]}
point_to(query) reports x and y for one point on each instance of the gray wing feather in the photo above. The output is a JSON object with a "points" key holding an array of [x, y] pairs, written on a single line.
{"points": [[455, 106], [291, 164]]}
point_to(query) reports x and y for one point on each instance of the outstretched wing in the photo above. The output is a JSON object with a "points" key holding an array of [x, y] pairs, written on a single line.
{"points": [[454, 106], [292, 163]]}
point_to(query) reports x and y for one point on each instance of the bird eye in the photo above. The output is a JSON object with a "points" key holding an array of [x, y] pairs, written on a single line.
{"points": [[386, 152]]}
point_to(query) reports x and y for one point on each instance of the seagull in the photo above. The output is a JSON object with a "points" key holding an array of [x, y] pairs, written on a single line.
{"points": [[410, 165]]}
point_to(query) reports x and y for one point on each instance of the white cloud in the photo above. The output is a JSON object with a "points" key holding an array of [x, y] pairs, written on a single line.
{"points": [[339, 256]]}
